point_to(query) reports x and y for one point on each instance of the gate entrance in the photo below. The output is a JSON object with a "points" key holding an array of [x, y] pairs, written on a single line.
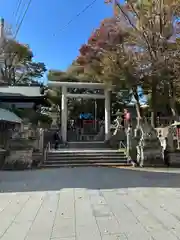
{"points": [[83, 130], [88, 130]]}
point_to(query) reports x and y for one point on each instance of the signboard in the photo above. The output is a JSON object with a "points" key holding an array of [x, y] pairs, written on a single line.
{"points": [[86, 116]]}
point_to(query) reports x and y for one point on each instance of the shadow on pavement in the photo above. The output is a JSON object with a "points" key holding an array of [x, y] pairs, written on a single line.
{"points": [[89, 178]]}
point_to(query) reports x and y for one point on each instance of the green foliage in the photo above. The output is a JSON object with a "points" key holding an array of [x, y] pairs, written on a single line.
{"points": [[43, 118], [151, 48], [33, 116], [18, 66], [29, 114], [56, 75]]}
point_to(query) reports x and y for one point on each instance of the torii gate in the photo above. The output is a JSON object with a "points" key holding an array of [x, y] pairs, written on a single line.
{"points": [[66, 95]]}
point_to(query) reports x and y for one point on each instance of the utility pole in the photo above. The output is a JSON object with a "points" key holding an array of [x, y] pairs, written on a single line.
{"points": [[2, 31], [2, 27]]}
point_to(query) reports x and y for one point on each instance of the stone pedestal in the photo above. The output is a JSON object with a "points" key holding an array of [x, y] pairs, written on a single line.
{"points": [[174, 158], [18, 160], [149, 149]]}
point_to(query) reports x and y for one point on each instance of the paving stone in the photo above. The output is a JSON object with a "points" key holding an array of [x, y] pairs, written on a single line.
{"points": [[64, 223], [115, 237], [89, 203], [9, 215], [154, 227], [169, 223], [42, 225], [4, 201], [128, 223], [22, 223], [86, 225], [63, 238]]}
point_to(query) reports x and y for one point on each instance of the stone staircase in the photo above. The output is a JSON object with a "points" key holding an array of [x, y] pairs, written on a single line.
{"points": [[85, 154], [87, 145]]}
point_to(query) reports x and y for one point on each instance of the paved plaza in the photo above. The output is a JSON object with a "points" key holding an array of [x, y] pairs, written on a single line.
{"points": [[90, 204]]}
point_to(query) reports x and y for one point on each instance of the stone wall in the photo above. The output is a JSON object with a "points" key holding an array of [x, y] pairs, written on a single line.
{"points": [[37, 159], [18, 160], [22, 154], [2, 157], [174, 158]]}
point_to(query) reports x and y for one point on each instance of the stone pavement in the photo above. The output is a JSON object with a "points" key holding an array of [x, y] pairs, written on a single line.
{"points": [[89, 204]]}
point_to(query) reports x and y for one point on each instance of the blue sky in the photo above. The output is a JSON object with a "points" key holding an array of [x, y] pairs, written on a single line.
{"points": [[42, 27], [43, 24]]}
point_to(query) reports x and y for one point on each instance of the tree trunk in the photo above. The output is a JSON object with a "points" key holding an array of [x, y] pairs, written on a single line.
{"points": [[153, 118], [137, 105], [173, 109], [153, 104], [138, 110], [172, 101]]}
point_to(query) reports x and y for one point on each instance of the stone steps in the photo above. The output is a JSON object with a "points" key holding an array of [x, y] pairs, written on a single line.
{"points": [[87, 145], [85, 157], [72, 165]]}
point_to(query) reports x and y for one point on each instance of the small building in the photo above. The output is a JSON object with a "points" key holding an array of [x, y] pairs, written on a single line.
{"points": [[13, 99], [8, 122], [22, 96]]}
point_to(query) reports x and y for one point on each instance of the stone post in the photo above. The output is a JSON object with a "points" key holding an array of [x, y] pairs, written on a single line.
{"points": [[107, 114], [128, 135], [64, 114]]}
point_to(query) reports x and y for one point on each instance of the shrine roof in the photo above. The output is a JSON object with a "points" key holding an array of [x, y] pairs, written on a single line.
{"points": [[26, 91], [7, 116], [20, 98], [25, 94]]}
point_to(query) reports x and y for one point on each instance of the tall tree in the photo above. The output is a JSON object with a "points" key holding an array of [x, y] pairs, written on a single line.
{"points": [[17, 65], [153, 33], [105, 58], [87, 65]]}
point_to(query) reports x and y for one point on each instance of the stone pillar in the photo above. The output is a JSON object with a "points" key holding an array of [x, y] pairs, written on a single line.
{"points": [[107, 114], [64, 114]]}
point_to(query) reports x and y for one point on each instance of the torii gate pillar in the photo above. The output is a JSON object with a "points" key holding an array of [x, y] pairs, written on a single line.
{"points": [[107, 119]]}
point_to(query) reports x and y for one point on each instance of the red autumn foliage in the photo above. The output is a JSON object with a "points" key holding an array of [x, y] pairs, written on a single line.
{"points": [[84, 49], [103, 38], [109, 32]]}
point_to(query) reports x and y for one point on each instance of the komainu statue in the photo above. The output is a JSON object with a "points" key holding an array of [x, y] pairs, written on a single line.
{"points": [[149, 149]]}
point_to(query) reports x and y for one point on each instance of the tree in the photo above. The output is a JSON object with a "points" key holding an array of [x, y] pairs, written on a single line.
{"points": [[120, 68], [17, 65], [154, 38], [56, 75], [87, 66], [105, 58]]}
